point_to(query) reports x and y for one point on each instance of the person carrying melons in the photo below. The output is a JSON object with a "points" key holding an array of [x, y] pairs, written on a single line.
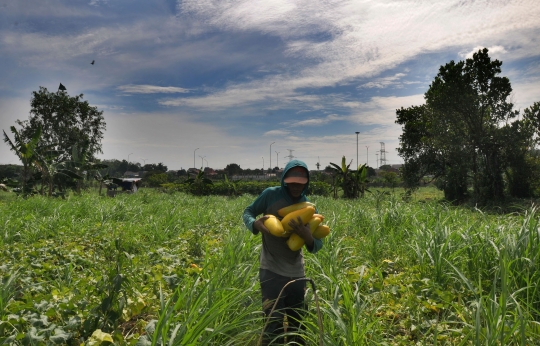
{"points": [[278, 263]]}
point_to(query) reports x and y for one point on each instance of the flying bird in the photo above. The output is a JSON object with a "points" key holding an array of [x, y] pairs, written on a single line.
{"points": [[92, 63], [62, 87]]}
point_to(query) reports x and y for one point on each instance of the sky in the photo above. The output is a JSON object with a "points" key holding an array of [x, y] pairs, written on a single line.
{"points": [[207, 83]]}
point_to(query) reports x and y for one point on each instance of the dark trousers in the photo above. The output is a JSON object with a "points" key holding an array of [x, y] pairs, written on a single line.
{"points": [[291, 304]]}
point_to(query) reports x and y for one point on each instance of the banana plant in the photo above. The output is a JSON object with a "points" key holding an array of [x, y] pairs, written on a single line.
{"points": [[54, 170], [106, 179], [352, 182], [199, 184], [342, 178], [26, 152], [80, 163], [232, 186], [360, 176]]}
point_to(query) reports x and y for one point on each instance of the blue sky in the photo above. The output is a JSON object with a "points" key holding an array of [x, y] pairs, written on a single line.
{"points": [[231, 77]]}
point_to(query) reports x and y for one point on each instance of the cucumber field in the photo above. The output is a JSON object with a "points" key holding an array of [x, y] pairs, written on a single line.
{"points": [[154, 268]]}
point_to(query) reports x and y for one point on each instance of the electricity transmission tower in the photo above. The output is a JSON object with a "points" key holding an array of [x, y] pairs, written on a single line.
{"points": [[383, 154], [290, 156]]}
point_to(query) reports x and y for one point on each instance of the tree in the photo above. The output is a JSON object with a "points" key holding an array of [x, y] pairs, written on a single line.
{"points": [[232, 169], [155, 167], [460, 135], [65, 121]]}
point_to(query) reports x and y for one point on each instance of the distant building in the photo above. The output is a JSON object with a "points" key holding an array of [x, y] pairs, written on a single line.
{"points": [[130, 174]]}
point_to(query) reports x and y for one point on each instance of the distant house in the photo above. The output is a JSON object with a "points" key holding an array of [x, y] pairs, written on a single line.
{"points": [[209, 172], [192, 172]]}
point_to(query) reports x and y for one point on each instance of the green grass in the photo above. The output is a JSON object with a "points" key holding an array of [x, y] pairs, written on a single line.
{"points": [[175, 269]]}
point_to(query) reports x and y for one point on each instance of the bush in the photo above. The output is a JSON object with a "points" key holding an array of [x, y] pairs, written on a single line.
{"points": [[222, 188]]}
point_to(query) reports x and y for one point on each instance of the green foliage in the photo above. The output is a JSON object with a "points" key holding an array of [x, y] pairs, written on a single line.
{"points": [[231, 186], [464, 135], [391, 179], [232, 169], [26, 150], [353, 183], [390, 272], [65, 121], [199, 185], [10, 171], [241, 187], [157, 179]]}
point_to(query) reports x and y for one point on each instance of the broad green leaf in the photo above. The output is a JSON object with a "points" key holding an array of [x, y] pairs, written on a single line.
{"points": [[98, 337], [60, 336]]}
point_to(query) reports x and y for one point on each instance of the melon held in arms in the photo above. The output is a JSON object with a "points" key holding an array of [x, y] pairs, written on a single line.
{"points": [[274, 226], [306, 211], [295, 242]]}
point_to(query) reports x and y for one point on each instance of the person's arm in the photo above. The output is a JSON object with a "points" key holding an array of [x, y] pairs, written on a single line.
{"points": [[253, 224], [317, 245]]}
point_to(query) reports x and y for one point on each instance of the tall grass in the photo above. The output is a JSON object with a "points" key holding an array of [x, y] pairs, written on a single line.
{"points": [[390, 273]]}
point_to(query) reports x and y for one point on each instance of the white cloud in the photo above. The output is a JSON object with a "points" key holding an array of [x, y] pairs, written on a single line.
{"points": [[277, 133], [151, 89], [381, 83], [493, 51], [358, 39], [382, 110], [316, 121]]}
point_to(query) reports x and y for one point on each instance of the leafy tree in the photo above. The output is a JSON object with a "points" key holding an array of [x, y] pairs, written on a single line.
{"points": [[10, 171], [117, 168], [390, 178], [461, 134], [64, 122], [523, 169], [155, 167], [232, 169], [157, 179]]}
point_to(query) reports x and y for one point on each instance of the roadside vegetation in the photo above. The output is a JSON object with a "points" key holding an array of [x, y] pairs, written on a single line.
{"points": [[154, 269]]}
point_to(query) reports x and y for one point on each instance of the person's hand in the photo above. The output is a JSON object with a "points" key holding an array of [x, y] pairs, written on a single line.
{"points": [[302, 231], [259, 225]]}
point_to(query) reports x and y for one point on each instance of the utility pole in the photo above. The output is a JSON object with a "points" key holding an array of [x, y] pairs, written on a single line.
{"points": [[277, 159], [270, 166], [202, 157], [367, 155], [357, 149], [194, 167]]}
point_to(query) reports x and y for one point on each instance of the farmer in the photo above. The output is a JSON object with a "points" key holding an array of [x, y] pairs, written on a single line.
{"points": [[279, 264]]}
